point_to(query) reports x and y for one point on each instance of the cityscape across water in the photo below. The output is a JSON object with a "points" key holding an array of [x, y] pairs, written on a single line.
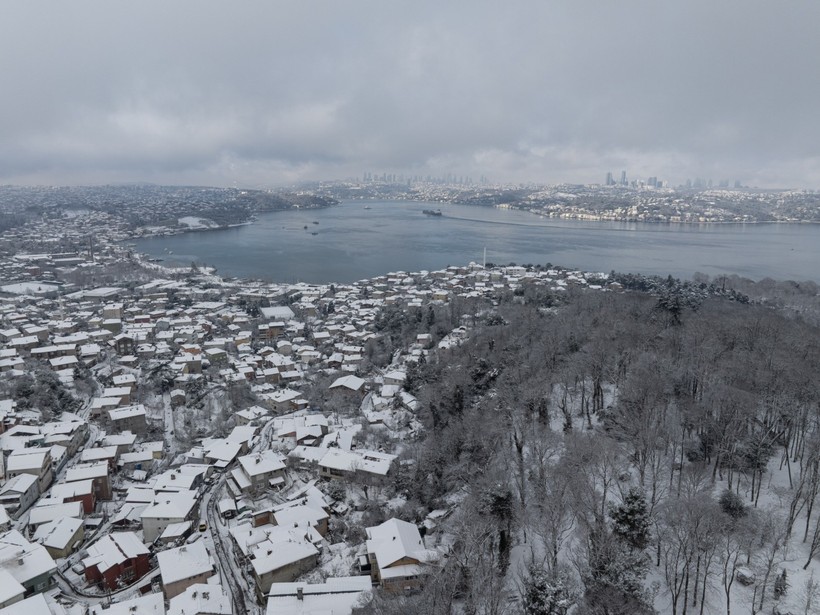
{"points": [[364, 239]]}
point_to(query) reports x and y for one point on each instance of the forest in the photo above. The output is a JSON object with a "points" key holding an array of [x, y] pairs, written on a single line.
{"points": [[618, 452]]}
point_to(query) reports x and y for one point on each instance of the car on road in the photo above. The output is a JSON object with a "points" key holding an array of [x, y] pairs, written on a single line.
{"points": [[192, 538], [203, 526]]}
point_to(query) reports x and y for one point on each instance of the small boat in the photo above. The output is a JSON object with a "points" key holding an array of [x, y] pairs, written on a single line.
{"points": [[315, 222], [431, 212], [367, 206]]}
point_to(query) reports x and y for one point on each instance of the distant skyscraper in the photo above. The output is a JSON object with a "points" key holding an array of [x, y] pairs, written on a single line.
{"points": [[623, 178], [609, 180]]}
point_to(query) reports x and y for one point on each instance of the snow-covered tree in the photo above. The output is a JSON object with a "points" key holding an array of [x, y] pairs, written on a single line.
{"points": [[630, 519], [547, 593]]}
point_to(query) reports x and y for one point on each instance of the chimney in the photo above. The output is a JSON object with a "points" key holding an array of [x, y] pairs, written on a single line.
{"points": [[300, 593]]}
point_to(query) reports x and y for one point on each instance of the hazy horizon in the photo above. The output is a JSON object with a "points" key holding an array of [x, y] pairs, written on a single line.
{"points": [[269, 94]]}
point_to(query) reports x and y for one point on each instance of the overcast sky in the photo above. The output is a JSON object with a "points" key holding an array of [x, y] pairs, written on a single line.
{"points": [[265, 93]]}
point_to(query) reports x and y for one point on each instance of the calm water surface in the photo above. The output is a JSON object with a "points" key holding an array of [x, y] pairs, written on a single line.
{"points": [[358, 240]]}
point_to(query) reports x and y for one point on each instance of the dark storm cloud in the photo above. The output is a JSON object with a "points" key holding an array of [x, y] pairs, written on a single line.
{"points": [[273, 92]]}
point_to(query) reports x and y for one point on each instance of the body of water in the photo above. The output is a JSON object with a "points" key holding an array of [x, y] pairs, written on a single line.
{"points": [[358, 240]]}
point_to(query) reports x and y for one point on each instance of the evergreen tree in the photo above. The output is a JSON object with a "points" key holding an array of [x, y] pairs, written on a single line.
{"points": [[631, 519], [614, 577], [545, 593], [732, 504], [780, 585]]}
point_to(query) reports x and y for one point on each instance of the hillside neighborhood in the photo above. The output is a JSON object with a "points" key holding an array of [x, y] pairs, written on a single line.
{"points": [[175, 443]]}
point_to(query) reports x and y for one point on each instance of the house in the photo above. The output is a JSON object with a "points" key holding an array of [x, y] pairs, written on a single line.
{"points": [[70, 434], [125, 380], [129, 418], [277, 312], [21, 437], [122, 394], [249, 415], [123, 441], [293, 514], [79, 491], [167, 508], [124, 344], [101, 405], [47, 511], [263, 470], [395, 377], [137, 460], [183, 567], [34, 461], [35, 604], [283, 400], [97, 472], [201, 599], [177, 398], [349, 387], [337, 595], [115, 560], [150, 604], [100, 453], [395, 554], [61, 537], [184, 478], [243, 435], [176, 532], [220, 452], [11, 591], [354, 465], [29, 563], [281, 557], [19, 493]]}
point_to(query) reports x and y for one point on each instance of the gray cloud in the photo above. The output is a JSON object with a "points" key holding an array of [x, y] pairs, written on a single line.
{"points": [[269, 92]]}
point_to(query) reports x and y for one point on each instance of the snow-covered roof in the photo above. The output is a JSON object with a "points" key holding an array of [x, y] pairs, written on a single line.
{"points": [[35, 605], [277, 312], [127, 412], [264, 462], [9, 587], [171, 505], [394, 540], [50, 512], [185, 562], [26, 459], [272, 554], [19, 484], [87, 471], [113, 549], [151, 604], [58, 534], [201, 598], [357, 461], [351, 382], [335, 595], [22, 559]]}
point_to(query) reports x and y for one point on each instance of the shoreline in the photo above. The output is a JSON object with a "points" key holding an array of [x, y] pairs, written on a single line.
{"points": [[580, 218]]}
